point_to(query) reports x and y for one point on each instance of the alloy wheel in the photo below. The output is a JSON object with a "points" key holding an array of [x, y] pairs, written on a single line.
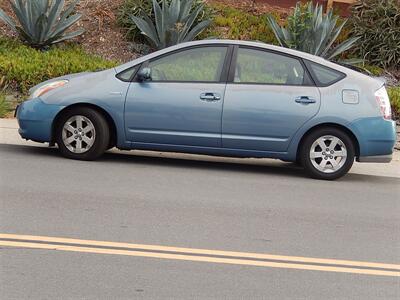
{"points": [[78, 134], [328, 154]]}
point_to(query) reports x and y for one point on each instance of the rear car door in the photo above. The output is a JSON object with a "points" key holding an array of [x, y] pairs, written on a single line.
{"points": [[182, 103], [269, 97]]}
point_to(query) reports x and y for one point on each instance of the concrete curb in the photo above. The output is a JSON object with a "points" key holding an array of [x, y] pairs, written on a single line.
{"points": [[9, 135]]}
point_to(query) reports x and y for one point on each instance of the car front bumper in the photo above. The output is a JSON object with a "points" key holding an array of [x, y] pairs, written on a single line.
{"points": [[35, 119]]}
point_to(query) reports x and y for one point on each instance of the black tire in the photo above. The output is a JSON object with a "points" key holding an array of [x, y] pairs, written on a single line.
{"points": [[305, 148], [101, 139]]}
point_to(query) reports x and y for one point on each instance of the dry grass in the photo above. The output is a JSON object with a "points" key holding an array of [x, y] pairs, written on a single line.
{"points": [[255, 7], [102, 36]]}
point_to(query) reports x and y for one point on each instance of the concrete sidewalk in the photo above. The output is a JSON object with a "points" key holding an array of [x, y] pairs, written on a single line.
{"points": [[9, 135]]}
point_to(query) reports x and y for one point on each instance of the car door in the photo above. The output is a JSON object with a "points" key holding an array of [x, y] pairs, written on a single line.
{"points": [[182, 102], [269, 97]]}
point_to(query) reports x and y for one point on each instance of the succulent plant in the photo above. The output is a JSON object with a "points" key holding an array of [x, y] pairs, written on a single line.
{"points": [[139, 7], [310, 30], [173, 23], [42, 23]]}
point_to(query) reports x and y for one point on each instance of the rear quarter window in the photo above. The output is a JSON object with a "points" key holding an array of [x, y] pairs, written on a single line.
{"points": [[324, 76]]}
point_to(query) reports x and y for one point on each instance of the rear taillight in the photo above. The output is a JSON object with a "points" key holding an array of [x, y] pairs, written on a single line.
{"points": [[382, 98]]}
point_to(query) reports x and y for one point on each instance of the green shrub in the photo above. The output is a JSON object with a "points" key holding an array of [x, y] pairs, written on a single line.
{"points": [[139, 8], [312, 31], [25, 67], [236, 24], [378, 25], [394, 96], [374, 70], [42, 23], [4, 106]]}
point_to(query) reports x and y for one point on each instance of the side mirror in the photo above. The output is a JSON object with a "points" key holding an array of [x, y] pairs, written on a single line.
{"points": [[144, 74]]}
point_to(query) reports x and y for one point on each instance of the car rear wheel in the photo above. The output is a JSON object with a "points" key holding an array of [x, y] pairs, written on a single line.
{"points": [[82, 133], [327, 153]]}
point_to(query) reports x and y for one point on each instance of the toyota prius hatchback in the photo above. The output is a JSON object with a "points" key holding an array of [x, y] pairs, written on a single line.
{"points": [[228, 98]]}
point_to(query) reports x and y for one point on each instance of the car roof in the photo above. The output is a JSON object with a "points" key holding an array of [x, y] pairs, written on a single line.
{"points": [[257, 44]]}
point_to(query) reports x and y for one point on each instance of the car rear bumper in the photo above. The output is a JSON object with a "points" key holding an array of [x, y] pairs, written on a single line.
{"points": [[376, 138], [375, 159], [35, 119]]}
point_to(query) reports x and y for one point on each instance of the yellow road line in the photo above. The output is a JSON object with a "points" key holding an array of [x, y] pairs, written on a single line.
{"points": [[200, 258], [296, 259]]}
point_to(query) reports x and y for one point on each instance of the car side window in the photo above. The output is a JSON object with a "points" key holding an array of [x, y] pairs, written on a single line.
{"points": [[203, 64], [263, 67], [325, 76]]}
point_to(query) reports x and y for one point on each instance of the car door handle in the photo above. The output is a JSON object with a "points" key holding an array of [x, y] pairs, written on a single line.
{"points": [[210, 97], [305, 100]]}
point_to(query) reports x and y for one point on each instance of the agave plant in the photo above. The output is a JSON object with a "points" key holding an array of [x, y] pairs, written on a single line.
{"points": [[173, 24], [310, 30], [42, 22]]}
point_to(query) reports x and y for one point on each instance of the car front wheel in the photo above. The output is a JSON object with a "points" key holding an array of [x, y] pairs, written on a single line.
{"points": [[82, 133], [327, 153]]}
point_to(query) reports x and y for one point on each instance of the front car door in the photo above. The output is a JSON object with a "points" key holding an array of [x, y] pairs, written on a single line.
{"points": [[182, 103], [270, 96]]}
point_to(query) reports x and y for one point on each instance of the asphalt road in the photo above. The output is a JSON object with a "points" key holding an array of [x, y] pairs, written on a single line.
{"points": [[250, 206]]}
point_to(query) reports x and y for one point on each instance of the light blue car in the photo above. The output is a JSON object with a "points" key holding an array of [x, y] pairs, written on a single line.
{"points": [[219, 97]]}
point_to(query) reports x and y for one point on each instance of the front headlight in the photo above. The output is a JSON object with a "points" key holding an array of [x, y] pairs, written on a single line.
{"points": [[47, 88]]}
